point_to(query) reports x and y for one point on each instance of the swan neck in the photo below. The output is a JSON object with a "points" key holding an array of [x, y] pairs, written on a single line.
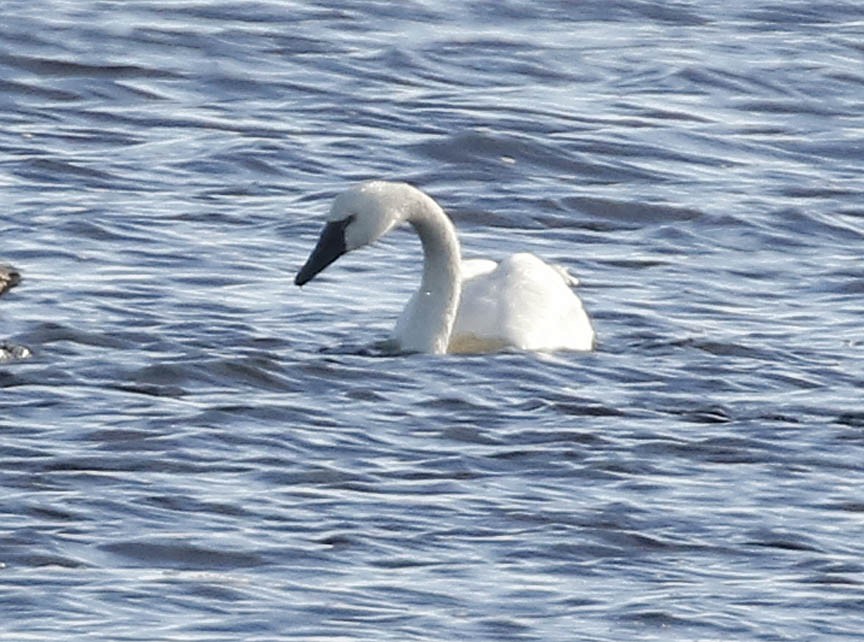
{"points": [[440, 247], [437, 299]]}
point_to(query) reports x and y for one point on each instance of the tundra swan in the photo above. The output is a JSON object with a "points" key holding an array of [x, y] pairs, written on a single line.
{"points": [[461, 306]]}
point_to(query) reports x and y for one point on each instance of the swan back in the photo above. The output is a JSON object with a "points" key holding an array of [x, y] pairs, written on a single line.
{"points": [[523, 303]]}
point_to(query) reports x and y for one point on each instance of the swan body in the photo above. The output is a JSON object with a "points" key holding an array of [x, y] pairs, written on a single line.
{"points": [[468, 306]]}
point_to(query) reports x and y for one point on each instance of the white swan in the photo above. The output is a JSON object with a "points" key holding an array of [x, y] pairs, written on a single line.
{"points": [[471, 306]]}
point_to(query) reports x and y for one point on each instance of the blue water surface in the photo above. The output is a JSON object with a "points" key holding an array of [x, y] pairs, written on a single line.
{"points": [[199, 450]]}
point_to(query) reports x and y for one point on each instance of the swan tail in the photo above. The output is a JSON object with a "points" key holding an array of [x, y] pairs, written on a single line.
{"points": [[568, 278]]}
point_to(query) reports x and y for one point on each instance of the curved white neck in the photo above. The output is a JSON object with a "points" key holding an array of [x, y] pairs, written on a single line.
{"points": [[428, 319]]}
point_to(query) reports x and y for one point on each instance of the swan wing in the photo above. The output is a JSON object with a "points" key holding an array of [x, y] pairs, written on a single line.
{"points": [[476, 267], [523, 303]]}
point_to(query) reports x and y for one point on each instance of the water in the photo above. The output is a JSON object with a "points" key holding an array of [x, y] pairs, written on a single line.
{"points": [[198, 450]]}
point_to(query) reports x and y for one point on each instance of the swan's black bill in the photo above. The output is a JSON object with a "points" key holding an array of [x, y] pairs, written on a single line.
{"points": [[331, 245]]}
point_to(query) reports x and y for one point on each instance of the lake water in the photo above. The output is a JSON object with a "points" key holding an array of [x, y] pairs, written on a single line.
{"points": [[199, 450]]}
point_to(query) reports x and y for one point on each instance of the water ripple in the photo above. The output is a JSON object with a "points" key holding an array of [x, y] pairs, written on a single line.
{"points": [[191, 448]]}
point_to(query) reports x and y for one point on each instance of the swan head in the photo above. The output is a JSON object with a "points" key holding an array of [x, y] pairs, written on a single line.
{"points": [[358, 217]]}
